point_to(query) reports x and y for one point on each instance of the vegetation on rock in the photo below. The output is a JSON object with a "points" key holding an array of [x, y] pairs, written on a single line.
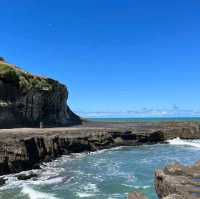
{"points": [[8, 74], [26, 81]]}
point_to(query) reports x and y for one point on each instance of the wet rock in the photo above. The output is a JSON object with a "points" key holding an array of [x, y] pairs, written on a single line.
{"points": [[26, 176], [175, 196], [136, 195], [178, 182], [2, 181]]}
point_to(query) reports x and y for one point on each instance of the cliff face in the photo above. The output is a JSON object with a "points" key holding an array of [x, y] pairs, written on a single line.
{"points": [[27, 100]]}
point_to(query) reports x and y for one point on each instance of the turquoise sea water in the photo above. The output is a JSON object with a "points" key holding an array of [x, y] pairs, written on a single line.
{"points": [[148, 119], [107, 174]]}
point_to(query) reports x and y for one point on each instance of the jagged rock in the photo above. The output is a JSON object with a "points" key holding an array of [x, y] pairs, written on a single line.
{"points": [[27, 100], [175, 196], [2, 181], [178, 182], [136, 195], [26, 176]]}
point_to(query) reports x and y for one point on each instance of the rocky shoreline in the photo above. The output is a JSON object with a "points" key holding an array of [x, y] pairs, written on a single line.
{"points": [[26, 148], [27, 100]]}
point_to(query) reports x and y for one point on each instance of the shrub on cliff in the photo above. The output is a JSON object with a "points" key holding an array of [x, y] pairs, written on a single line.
{"points": [[8, 74], [26, 81], [33, 82]]}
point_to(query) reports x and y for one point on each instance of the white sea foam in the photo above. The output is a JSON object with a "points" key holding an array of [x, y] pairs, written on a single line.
{"points": [[107, 150], [142, 187], [84, 195], [128, 185], [11, 183], [53, 180], [91, 187], [33, 194], [88, 190], [178, 141]]}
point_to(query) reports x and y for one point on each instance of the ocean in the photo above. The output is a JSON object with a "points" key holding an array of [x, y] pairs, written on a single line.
{"points": [[147, 119], [106, 174]]}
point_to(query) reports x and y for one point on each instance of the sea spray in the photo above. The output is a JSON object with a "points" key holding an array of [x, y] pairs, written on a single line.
{"points": [[33, 194], [181, 142]]}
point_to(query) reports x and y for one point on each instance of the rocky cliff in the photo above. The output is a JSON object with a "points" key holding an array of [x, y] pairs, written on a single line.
{"points": [[27, 100]]}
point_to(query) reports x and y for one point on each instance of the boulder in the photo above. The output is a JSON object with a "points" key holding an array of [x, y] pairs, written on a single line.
{"points": [[26, 176], [136, 195], [174, 196], [2, 181]]}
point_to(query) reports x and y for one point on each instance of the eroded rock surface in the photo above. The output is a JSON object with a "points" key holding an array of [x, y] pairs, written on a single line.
{"points": [[175, 196], [2, 181], [136, 195], [25, 148], [26, 176], [178, 182]]}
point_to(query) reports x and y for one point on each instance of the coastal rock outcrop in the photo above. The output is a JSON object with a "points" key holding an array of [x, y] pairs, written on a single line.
{"points": [[28, 100], [26, 148], [2, 181], [26, 176], [136, 195], [178, 182]]}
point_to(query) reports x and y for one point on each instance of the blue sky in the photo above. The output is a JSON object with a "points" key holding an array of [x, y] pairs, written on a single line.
{"points": [[127, 57]]}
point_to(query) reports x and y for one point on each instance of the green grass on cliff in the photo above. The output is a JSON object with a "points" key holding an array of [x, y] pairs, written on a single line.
{"points": [[8, 74], [22, 79]]}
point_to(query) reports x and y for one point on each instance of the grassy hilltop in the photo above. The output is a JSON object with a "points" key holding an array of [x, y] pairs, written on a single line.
{"points": [[12, 74]]}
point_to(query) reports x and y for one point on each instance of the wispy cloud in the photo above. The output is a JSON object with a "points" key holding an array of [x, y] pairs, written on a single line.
{"points": [[175, 111]]}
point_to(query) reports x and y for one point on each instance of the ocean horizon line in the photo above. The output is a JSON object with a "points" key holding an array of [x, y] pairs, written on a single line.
{"points": [[144, 119]]}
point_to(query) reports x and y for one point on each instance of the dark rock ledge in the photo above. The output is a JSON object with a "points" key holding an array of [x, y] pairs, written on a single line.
{"points": [[25, 148]]}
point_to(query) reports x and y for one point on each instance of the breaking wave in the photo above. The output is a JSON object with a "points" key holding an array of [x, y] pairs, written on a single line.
{"points": [[33, 194], [191, 143]]}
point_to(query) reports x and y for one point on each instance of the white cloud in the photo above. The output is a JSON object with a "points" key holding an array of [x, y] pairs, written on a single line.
{"points": [[175, 111]]}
